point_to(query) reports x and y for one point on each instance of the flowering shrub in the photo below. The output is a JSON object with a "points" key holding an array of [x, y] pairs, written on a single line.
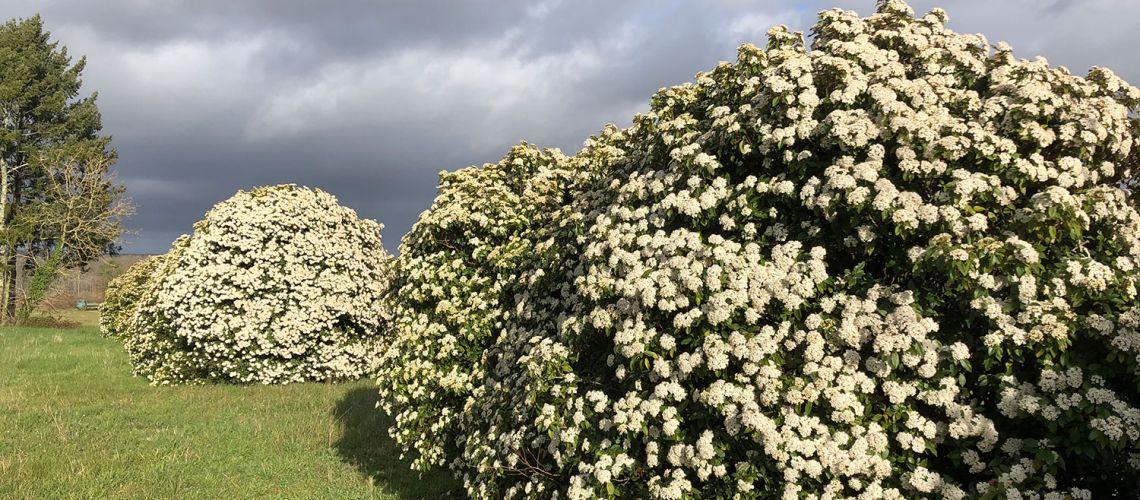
{"points": [[279, 284], [447, 285], [899, 263], [122, 296]]}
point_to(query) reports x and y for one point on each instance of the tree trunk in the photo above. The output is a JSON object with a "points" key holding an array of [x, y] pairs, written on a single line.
{"points": [[10, 301], [10, 250], [39, 283], [6, 248]]}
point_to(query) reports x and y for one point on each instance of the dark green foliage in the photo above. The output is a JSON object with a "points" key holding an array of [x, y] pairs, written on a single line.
{"points": [[44, 123]]}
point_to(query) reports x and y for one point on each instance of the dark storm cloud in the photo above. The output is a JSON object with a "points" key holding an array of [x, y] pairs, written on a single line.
{"points": [[369, 100]]}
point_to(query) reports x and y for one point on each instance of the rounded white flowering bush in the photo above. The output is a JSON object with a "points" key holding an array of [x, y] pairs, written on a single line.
{"points": [[276, 285], [896, 262], [121, 298]]}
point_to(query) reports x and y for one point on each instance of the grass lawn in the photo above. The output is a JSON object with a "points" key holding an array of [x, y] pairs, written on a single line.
{"points": [[75, 424]]}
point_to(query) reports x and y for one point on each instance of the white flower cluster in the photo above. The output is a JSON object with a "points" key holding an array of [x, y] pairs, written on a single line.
{"points": [[122, 296], [898, 262], [276, 285]]}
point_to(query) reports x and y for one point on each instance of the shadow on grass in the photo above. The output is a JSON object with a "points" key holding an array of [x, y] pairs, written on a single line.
{"points": [[365, 444]]}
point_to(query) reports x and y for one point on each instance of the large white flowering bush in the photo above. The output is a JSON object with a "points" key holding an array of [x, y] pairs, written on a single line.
{"points": [[120, 300], [276, 285], [897, 262]]}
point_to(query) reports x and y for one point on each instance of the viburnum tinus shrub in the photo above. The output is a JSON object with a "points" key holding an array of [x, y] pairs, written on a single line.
{"points": [[895, 262], [122, 296], [447, 284], [276, 285]]}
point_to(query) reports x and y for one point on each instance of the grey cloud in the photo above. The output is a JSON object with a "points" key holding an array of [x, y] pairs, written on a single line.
{"points": [[369, 100]]}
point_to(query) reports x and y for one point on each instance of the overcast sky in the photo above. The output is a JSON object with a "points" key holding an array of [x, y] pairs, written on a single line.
{"points": [[370, 100]]}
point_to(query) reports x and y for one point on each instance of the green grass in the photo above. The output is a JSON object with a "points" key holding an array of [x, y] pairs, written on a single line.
{"points": [[75, 424], [87, 317]]}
